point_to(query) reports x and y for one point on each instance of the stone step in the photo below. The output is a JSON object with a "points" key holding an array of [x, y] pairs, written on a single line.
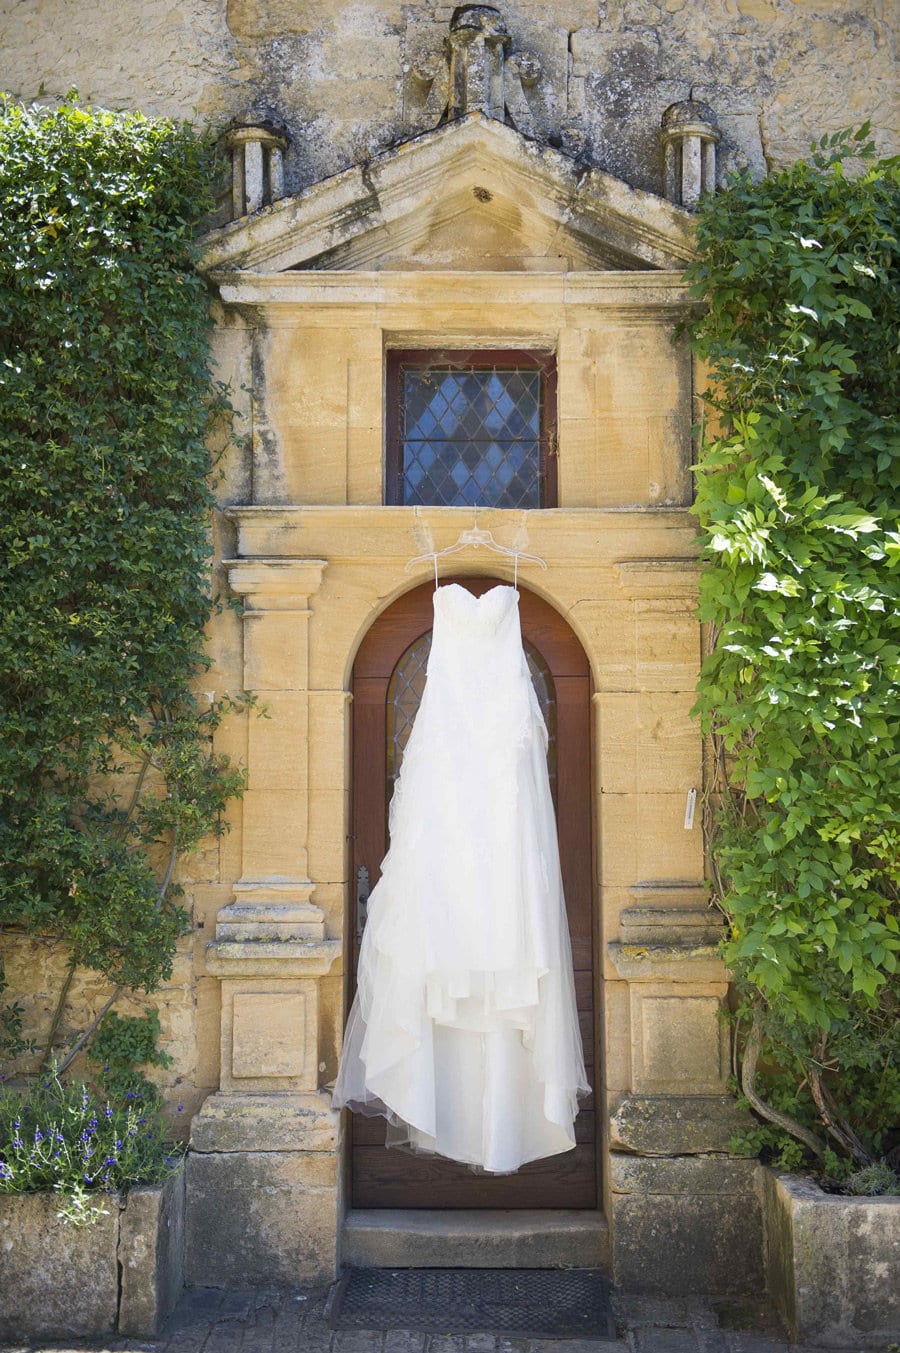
{"points": [[409, 1238]]}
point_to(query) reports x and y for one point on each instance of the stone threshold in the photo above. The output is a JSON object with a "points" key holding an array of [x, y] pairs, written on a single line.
{"points": [[474, 1238]]}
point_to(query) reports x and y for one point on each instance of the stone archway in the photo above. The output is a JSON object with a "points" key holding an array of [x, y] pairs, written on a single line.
{"points": [[393, 654]]}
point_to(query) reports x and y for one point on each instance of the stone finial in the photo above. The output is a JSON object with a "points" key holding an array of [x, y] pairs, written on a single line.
{"points": [[477, 72], [689, 136], [257, 140], [478, 44]]}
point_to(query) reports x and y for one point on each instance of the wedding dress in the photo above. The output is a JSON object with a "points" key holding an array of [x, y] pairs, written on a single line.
{"points": [[464, 1032]]}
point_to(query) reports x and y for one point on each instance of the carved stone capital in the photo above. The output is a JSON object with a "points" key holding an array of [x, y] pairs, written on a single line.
{"points": [[275, 584]]}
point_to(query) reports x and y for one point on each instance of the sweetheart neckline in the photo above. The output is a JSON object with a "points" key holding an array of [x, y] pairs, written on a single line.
{"points": [[501, 587]]}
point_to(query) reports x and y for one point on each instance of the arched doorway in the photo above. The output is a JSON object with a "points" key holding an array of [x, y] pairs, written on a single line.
{"points": [[388, 677]]}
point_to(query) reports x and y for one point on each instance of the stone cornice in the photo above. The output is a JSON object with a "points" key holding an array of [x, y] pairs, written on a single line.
{"points": [[275, 584], [270, 537], [272, 958]]}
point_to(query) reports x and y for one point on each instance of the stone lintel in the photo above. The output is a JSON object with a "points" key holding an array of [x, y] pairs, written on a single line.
{"points": [[664, 579], [670, 962], [675, 1125], [274, 1122], [272, 958]]}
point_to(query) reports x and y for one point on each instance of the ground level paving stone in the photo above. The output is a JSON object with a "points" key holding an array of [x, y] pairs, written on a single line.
{"points": [[209, 1320]]}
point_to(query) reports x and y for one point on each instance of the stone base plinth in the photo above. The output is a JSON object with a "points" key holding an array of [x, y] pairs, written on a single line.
{"points": [[262, 1191], [686, 1224]]}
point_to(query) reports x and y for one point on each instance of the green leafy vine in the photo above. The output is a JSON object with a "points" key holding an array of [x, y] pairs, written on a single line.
{"points": [[107, 413], [799, 505]]}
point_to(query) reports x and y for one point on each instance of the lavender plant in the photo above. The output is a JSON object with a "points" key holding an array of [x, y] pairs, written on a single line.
{"points": [[62, 1137]]}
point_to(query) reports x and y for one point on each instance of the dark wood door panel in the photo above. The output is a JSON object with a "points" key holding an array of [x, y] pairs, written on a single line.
{"points": [[394, 1178], [382, 1178], [370, 1131]]}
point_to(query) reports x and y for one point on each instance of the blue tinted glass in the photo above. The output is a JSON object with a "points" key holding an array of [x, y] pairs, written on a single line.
{"points": [[471, 437]]}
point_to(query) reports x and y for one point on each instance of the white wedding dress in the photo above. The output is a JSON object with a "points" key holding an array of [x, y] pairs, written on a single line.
{"points": [[464, 1032]]}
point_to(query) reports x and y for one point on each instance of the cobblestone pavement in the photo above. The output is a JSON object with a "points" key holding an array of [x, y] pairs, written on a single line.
{"points": [[210, 1320]]}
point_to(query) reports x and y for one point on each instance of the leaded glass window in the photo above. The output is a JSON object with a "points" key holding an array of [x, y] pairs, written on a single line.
{"points": [[471, 429]]}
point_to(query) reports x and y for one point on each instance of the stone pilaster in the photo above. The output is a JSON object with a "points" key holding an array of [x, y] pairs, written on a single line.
{"points": [[263, 1168], [675, 1190]]}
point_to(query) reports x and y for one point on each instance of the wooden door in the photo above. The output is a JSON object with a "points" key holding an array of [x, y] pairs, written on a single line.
{"points": [[386, 686]]}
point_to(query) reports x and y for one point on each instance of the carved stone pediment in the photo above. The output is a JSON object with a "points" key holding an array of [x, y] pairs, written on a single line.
{"points": [[472, 195]]}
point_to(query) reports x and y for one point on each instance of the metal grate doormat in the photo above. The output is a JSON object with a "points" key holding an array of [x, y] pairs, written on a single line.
{"points": [[552, 1303]]}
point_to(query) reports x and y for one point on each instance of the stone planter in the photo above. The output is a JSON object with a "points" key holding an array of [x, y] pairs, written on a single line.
{"points": [[832, 1263], [122, 1275]]}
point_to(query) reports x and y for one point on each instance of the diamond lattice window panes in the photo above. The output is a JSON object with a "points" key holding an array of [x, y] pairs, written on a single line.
{"points": [[471, 429]]}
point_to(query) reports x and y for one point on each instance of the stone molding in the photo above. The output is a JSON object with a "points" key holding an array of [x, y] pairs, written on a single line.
{"points": [[275, 584], [286, 1122], [639, 297], [272, 958], [675, 962], [675, 1125]]}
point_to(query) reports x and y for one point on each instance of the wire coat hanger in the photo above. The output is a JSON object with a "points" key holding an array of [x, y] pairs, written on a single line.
{"points": [[477, 538]]}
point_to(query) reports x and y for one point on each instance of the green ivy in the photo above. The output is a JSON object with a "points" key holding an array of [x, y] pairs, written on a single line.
{"points": [[107, 411], [799, 504]]}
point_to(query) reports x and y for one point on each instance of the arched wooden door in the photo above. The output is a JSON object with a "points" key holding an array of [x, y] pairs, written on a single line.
{"points": [[387, 682]]}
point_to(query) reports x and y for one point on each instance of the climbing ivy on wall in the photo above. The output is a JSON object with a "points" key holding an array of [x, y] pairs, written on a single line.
{"points": [[107, 410], [799, 503]]}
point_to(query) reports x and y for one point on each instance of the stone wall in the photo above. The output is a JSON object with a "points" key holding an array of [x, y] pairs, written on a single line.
{"points": [[315, 556], [350, 79]]}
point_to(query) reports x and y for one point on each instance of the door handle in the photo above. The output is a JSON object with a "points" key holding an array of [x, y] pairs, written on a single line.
{"points": [[362, 899]]}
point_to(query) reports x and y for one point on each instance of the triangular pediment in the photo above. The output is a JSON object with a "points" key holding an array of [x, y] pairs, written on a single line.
{"points": [[473, 195]]}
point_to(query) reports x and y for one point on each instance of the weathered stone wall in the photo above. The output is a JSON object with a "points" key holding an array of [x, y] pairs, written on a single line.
{"points": [[777, 72], [315, 556]]}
